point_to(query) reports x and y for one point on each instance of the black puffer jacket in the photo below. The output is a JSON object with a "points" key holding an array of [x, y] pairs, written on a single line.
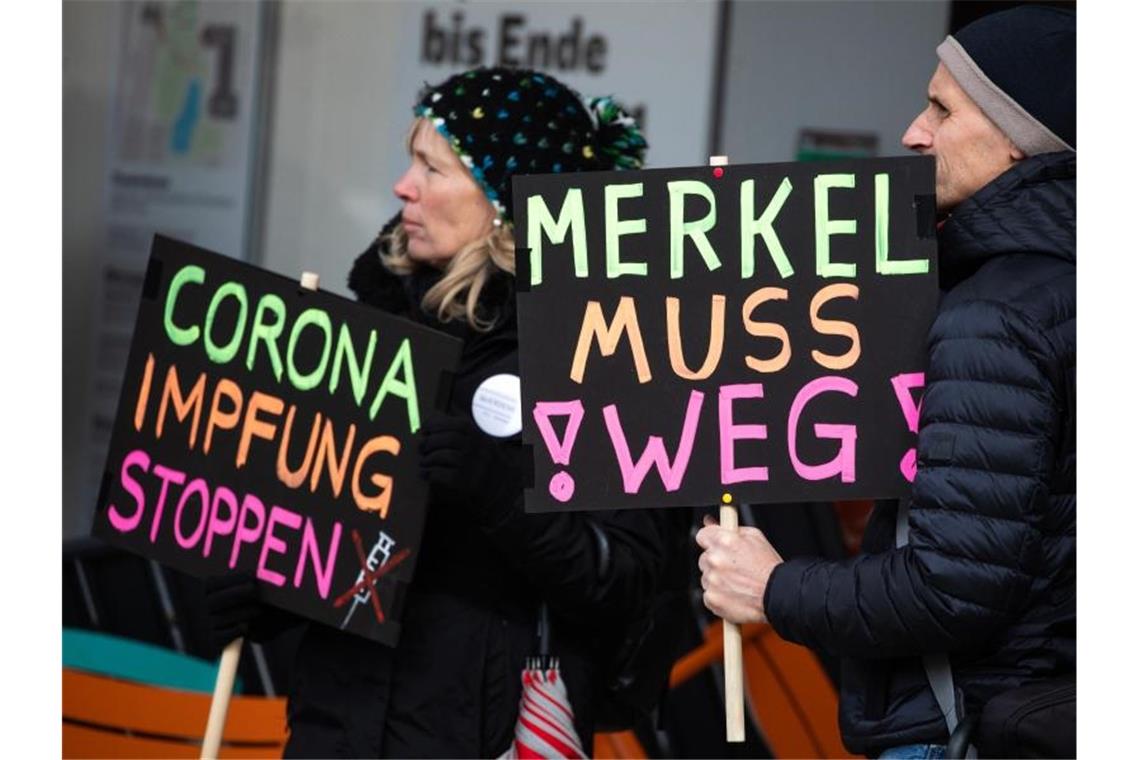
{"points": [[990, 572], [451, 687]]}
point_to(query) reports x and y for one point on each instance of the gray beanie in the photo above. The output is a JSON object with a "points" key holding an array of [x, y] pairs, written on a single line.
{"points": [[1020, 67]]}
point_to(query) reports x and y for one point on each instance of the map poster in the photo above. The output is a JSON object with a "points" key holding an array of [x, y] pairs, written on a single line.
{"points": [[181, 153]]}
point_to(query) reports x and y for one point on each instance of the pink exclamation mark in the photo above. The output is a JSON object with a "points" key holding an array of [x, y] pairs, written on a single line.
{"points": [[562, 484], [903, 384]]}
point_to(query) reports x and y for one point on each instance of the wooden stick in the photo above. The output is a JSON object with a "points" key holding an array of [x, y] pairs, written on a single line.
{"points": [[733, 647], [220, 704], [733, 651], [231, 655]]}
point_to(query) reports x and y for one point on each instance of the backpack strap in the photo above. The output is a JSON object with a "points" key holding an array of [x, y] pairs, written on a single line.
{"points": [[937, 666], [603, 546]]}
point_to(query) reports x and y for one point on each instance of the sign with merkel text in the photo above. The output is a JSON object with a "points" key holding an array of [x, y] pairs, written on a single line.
{"points": [[271, 430], [754, 330]]}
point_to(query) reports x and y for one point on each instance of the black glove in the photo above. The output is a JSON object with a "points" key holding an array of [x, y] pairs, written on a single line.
{"points": [[234, 605], [455, 454], [482, 472], [236, 609]]}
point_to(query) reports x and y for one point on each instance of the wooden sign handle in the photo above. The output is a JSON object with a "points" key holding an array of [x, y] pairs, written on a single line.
{"points": [[220, 704], [231, 655], [733, 648], [733, 652]]}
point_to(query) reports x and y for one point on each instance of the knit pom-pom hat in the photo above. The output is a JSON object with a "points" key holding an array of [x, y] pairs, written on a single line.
{"points": [[502, 122], [1020, 67]]}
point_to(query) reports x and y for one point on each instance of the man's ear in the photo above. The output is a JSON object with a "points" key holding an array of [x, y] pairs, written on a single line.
{"points": [[1015, 153]]}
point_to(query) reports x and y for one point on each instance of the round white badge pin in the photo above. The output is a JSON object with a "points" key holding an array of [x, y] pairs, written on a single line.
{"points": [[497, 406]]}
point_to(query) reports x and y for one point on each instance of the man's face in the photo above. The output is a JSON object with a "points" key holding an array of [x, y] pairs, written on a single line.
{"points": [[969, 150]]}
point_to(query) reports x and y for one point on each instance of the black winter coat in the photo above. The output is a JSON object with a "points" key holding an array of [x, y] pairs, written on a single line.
{"points": [[989, 575], [451, 688]]}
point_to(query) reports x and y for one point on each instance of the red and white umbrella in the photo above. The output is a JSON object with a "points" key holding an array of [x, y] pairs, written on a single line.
{"points": [[545, 727]]}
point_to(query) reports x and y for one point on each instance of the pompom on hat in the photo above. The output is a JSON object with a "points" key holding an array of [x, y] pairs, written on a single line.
{"points": [[1020, 67], [502, 122]]}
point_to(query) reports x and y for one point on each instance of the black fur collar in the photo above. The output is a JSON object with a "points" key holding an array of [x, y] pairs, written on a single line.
{"points": [[375, 285]]}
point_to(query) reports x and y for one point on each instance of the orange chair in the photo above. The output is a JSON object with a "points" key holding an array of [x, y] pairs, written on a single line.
{"points": [[619, 745], [792, 701], [791, 698], [109, 717]]}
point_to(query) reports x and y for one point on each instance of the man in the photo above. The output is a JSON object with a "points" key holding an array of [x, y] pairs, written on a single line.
{"points": [[988, 575]]}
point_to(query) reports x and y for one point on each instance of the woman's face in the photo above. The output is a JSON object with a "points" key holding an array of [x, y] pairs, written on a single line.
{"points": [[444, 208]]}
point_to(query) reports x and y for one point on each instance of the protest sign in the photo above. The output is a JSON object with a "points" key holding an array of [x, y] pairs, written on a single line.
{"points": [[756, 330], [271, 430]]}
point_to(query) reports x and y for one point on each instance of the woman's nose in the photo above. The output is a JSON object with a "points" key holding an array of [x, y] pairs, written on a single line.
{"points": [[404, 188]]}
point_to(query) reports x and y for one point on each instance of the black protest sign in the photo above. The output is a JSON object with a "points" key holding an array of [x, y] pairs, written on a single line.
{"points": [[753, 330], [268, 429]]}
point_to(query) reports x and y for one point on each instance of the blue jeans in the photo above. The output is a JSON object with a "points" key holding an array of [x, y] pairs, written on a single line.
{"points": [[916, 752]]}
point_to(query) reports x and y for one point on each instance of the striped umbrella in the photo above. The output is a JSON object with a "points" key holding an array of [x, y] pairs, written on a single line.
{"points": [[545, 727]]}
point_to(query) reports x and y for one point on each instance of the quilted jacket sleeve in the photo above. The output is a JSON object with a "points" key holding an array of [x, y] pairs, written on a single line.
{"points": [[987, 443]]}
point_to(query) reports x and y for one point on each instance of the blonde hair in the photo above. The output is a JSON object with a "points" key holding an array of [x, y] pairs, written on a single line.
{"points": [[456, 295]]}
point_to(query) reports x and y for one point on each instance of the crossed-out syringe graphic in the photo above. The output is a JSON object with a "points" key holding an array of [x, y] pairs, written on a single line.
{"points": [[380, 554]]}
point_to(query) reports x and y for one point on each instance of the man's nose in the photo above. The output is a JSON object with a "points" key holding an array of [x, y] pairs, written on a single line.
{"points": [[917, 137]]}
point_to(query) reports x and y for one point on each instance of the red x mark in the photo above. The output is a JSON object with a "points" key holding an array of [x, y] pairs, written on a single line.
{"points": [[370, 577]]}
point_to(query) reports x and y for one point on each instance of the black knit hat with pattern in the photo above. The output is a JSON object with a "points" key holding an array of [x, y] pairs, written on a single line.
{"points": [[502, 122], [1020, 67]]}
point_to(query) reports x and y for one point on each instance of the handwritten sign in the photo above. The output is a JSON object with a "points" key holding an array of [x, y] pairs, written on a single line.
{"points": [[268, 429], [756, 329]]}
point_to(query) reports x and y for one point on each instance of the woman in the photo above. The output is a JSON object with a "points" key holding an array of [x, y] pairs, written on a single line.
{"points": [[451, 688]]}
